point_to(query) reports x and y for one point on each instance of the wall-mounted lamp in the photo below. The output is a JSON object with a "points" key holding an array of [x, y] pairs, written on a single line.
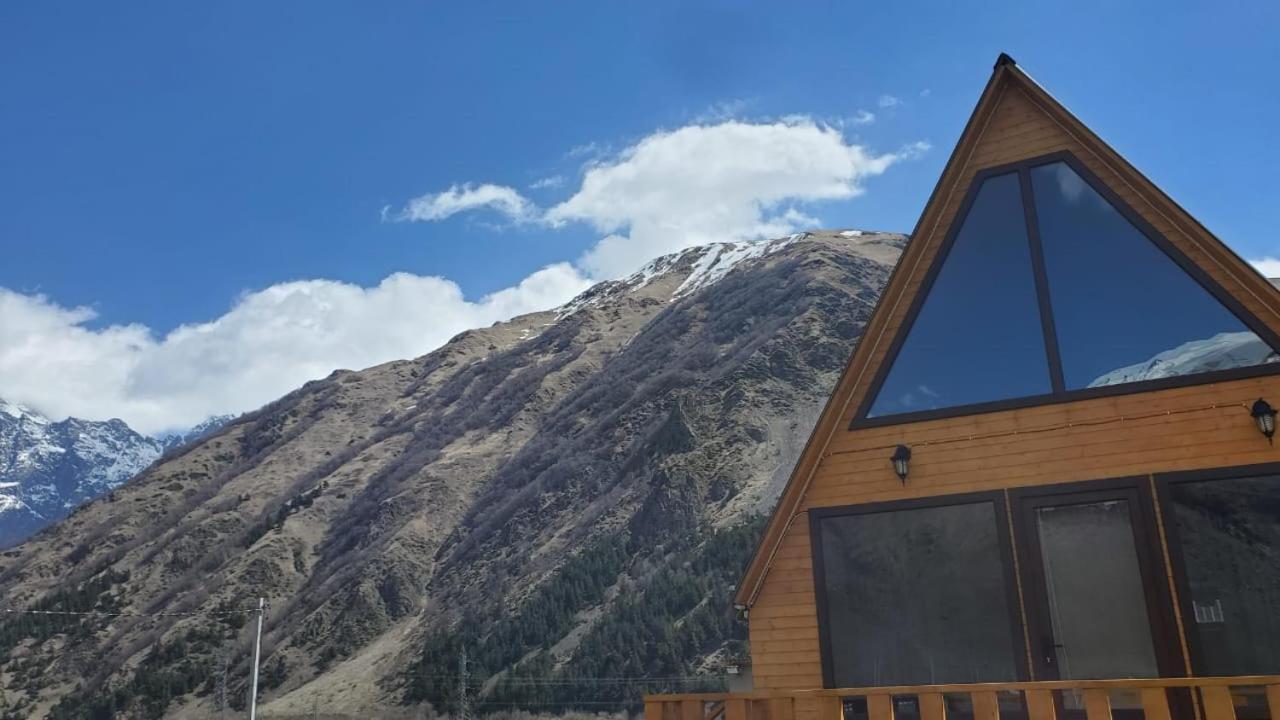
{"points": [[742, 610], [901, 461], [1265, 417]]}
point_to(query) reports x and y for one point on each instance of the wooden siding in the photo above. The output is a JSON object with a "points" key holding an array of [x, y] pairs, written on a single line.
{"points": [[1194, 427]]}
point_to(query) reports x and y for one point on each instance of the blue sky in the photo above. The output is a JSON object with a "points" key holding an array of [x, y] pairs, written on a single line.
{"points": [[169, 163]]}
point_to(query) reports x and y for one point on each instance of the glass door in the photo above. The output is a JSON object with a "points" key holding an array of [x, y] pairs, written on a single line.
{"points": [[1094, 600]]}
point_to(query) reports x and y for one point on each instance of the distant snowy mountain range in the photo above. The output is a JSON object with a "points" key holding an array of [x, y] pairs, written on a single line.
{"points": [[48, 468]]}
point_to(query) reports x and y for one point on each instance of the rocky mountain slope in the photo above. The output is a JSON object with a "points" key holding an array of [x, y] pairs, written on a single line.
{"points": [[47, 468], [567, 497]]}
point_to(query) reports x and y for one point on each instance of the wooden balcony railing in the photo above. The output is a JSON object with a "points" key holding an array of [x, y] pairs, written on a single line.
{"points": [[1210, 698]]}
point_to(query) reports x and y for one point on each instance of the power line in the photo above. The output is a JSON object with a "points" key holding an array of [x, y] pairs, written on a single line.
{"points": [[96, 613]]}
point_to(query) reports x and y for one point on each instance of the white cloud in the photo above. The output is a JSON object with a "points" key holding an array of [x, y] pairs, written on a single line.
{"points": [[888, 101], [731, 180], [269, 343], [547, 183], [1268, 266], [460, 198], [863, 117], [705, 183]]}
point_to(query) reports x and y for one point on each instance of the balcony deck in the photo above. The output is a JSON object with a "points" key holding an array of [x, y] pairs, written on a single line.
{"points": [[1216, 699]]}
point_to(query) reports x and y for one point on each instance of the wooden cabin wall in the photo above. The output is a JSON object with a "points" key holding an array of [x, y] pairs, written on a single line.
{"points": [[1193, 435], [854, 467]]}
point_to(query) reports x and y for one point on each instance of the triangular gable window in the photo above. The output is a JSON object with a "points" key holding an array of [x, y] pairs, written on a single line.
{"points": [[1123, 309], [1087, 301], [977, 337]]}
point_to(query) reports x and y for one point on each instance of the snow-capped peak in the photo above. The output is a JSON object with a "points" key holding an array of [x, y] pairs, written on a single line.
{"points": [[706, 265]]}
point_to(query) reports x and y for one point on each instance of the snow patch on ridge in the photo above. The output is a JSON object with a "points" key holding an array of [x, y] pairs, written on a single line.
{"points": [[709, 264], [1220, 352]]}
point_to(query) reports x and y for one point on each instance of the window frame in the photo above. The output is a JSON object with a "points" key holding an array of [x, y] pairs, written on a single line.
{"points": [[1164, 483], [1059, 393], [1007, 564]]}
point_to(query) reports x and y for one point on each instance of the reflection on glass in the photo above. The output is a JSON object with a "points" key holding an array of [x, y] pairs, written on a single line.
{"points": [[977, 337], [1097, 605], [1229, 532], [1124, 310], [916, 597]]}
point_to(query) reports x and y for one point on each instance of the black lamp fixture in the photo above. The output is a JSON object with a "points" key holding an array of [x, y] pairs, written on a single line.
{"points": [[901, 460], [1265, 416]]}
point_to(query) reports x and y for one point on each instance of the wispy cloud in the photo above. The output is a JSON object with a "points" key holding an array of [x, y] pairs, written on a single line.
{"points": [[1268, 266], [461, 198], [888, 101], [863, 117], [546, 183]]}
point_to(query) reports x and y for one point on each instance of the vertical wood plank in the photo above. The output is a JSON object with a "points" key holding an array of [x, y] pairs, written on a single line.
{"points": [[1155, 704], [781, 708], [986, 706], [734, 709], [1040, 705], [652, 710], [879, 707], [931, 706], [832, 708], [806, 708], [1097, 705], [690, 710], [1273, 701], [1217, 703]]}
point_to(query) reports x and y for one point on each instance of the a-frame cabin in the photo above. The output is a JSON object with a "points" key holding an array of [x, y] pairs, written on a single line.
{"points": [[1045, 484]]}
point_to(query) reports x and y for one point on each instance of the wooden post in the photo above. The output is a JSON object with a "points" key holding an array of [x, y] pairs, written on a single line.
{"points": [[986, 706], [1217, 702], [653, 710], [1155, 704], [1097, 704], [832, 708], [1273, 700], [690, 710], [880, 707], [932, 706], [1040, 705]]}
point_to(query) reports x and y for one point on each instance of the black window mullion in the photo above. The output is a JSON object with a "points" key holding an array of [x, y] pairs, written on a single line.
{"points": [[1042, 283]]}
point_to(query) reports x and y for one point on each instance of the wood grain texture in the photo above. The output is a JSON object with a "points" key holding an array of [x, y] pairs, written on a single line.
{"points": [[986, 706], [1155, 704], [1097, 704], [1217, 703], [880, 707], [1040, 705]]}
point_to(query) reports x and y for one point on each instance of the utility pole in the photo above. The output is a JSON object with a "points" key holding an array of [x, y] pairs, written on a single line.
{"points": [[222, 682], [257, 651], [462, 685]]}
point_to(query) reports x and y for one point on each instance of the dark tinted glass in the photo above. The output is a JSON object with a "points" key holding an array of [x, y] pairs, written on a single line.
{"points": [[916, 597], [1124, 310], [1229, 533], [977, 337]]}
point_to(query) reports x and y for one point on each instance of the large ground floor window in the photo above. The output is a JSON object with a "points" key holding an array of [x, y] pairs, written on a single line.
{"points": [[1224, 536], [917, 595], [928, 591]]}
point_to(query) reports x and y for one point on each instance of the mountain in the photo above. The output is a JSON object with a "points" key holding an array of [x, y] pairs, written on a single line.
{"points": [[48, 468], [1218, 352], [567, 497]]}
